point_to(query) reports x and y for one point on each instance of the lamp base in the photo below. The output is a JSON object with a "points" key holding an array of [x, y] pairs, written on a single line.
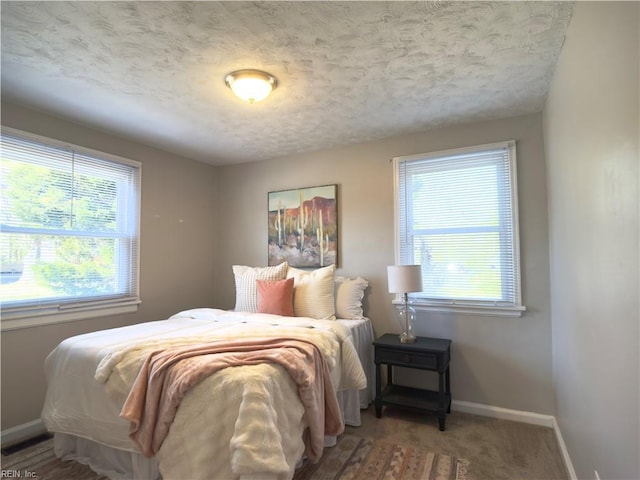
{"points": [[406, 337]]}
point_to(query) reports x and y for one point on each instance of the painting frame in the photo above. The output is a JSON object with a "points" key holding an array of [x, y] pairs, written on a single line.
{"points": [[302, 225]]}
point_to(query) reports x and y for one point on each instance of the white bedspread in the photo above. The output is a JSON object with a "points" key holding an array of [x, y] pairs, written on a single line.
{"points": [[242, 422]]}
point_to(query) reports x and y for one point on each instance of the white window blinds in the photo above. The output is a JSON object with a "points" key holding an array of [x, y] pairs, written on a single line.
{"points": [[456, 215], [69, 226]]}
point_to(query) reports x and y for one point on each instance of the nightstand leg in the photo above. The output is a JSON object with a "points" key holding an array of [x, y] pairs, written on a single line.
{"points": [[448, 389], [441, 422], [378, 400], [441, 397]]}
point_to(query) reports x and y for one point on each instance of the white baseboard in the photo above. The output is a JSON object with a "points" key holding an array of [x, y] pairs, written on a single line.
{"points": [[22, 432], [502, 413], [565, 453], [519, 416]]}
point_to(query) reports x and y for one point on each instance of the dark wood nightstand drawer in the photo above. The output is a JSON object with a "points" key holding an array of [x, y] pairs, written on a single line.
{"points": [[406, 359]]}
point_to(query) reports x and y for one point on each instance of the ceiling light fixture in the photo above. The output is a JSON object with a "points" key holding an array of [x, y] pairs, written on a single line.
{"points": [[251, 85]]}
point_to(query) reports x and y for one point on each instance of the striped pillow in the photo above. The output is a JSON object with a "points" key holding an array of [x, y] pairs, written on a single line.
{"points": [[313, 292], [246, 289]]}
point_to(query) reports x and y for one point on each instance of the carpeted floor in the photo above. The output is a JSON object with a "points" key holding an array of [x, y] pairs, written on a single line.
{"points": [[401, 442], [496, 449]]}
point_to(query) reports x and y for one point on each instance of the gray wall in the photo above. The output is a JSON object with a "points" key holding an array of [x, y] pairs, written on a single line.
{"points": [[178, 236], [591, 136], [503, 362]]}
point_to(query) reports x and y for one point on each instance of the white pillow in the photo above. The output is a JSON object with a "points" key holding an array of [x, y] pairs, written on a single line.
{"points": [[313, 292], [349, 293], [246, 289]]}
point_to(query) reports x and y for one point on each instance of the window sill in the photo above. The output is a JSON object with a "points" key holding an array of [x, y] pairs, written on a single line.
{"points": [[465, 308], [20, 319]]}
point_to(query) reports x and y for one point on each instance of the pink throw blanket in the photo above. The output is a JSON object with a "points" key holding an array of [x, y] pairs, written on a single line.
{"points": [[167, 375]]}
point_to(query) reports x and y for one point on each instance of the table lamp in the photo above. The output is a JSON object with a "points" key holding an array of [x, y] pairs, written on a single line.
{"points": [[405, 279]]}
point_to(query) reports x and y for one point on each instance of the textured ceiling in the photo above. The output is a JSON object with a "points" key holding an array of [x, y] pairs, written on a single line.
{"points": [[348, 72]]}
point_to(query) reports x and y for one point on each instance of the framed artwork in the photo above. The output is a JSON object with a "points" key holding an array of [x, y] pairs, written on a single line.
{"points": [[303, 226]]}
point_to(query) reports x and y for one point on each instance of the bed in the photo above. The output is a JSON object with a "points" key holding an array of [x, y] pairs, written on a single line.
{"points": [[247, 421]]}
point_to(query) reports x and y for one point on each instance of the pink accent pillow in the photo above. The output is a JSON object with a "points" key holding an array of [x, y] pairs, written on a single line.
{"points": [[275, 296]]}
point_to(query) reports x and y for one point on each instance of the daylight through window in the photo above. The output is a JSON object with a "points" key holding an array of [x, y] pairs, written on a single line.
{"points": [[456, 215], [69, 227]]}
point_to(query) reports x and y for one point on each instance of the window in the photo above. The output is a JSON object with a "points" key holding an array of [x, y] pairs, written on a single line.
{"points": [[69, 231], [457, 216]]}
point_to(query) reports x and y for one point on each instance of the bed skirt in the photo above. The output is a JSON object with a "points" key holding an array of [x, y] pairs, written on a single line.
{"points": [[111, 462], [119, 464]]}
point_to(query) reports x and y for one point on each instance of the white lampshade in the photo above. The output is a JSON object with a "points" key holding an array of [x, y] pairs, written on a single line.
{"points": [[251, 85], [404, 278]]}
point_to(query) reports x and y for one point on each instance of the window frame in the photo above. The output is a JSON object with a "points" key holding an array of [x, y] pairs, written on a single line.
{"points": [[471, 307], [44, 312]]}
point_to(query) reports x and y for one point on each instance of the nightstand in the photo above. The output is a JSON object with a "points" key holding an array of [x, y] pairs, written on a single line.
{"points": [[426, 353]]}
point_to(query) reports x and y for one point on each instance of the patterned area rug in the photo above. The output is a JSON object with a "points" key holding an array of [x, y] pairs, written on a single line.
{"points": [[360, 458], [353, 458]]}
